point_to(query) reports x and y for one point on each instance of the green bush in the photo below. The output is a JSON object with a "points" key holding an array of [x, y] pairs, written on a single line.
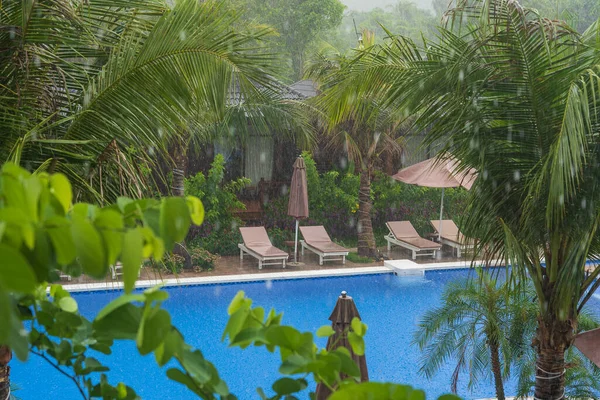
{"points": [[223, 242], [203, 259], [279, 236], [218, 234], [170, 264]]}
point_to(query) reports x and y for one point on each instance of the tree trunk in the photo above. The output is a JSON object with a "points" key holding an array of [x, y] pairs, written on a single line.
{"points": [[5, 357], [177, 189], [366, 239], [180, 160], [497, 370], [552, 340]]}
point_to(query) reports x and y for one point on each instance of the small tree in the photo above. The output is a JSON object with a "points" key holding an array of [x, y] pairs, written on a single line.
{"points": [[470, 326]]}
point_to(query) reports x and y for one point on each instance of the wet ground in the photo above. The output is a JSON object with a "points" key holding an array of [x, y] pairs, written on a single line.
{"points": [[231, 265]]}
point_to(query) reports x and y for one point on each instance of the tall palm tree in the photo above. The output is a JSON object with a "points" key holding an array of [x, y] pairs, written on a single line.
{"points": [[364, 139], [470, 326], [105, 96], [515, 96], [5, 357]]}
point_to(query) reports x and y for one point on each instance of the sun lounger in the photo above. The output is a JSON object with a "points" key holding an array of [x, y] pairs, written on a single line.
{"points": [[258, 245], [451, 236], [318, 241], [403, 234]]}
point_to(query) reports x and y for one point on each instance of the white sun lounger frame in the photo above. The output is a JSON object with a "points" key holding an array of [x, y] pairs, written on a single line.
{"points": [[416, 251], [261, 259], [329, 256]]}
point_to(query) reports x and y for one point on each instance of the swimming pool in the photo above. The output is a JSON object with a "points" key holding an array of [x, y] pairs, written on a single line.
{"points": [[389, 304]]}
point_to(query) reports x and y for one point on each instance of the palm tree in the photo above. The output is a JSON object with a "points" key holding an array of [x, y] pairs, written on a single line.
{"points": [[102, 99], [5, 357], [364, 139], [470, 327], [514, 96]]}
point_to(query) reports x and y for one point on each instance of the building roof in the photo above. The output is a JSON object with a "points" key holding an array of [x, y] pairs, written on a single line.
{"points": [[305, 87]]}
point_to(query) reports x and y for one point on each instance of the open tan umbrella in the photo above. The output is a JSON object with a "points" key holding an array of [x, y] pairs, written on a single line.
{"points": [[298, 202], [437, 173], [341, 317], [589, 344]]}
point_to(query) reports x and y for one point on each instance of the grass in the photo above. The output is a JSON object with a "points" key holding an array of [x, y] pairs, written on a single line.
{"points": [[355, 258]]}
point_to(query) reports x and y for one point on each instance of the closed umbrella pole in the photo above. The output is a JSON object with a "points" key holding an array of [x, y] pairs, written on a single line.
{"points": [[441, 217], [296, 242]]}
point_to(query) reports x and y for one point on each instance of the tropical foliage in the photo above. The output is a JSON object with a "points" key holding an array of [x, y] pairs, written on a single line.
{"points": [[470, 327], [102, 100], [365, 140], [43, 232], [514, 96]]}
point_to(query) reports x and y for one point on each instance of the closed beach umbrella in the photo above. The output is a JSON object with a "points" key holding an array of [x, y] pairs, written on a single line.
{"points": [[341, 317], [589, 344], [298, 203], [437, 173]]}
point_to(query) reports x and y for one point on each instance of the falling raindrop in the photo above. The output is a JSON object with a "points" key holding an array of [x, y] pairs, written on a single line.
{"points": [[485, 174], [461, 75], [561, 199], [284, 190], [217, 291], [36, 61], [507, 187], [583, 203], [343, 162], [263, 157], [182, 35], [151, 151], [517, 175], [351, 222], [269, 284], [160, 132], [359, 227], [11, 33]]}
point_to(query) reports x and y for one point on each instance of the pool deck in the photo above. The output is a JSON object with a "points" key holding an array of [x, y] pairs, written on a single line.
{"points": [[231, 269]]}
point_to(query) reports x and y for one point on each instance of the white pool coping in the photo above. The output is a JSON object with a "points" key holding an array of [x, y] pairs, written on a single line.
{"points": [[400, 267]]}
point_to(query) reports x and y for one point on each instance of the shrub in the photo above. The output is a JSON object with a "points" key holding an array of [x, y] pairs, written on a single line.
{"points": [[170, 264], [203, 259], [218, 234], [222, 242], [279, 236]]}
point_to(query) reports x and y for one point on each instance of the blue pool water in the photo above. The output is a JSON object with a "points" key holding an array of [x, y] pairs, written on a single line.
{"points": [[390, 305]]}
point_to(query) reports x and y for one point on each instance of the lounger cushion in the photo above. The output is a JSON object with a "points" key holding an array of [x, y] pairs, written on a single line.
{"points": [[257, 240], [317, 237], [450, 231], [404, 231]]}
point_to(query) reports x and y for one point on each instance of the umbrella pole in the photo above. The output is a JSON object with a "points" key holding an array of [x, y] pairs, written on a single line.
{"points": [[441, 213], [296, 243]]}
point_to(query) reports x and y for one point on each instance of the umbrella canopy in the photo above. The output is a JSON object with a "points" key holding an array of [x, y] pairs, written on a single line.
{"points": [[437, 173], [589, 344], [298, 203], [341, 317]]}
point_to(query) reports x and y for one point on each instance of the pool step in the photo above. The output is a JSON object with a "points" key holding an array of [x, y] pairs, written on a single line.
{"points": [[405, 267]]}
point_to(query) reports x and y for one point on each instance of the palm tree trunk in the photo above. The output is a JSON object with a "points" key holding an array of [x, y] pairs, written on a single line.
{"points": [[5, 357], [366, 238], [552, 340], [180, 159], [496, 370]]}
